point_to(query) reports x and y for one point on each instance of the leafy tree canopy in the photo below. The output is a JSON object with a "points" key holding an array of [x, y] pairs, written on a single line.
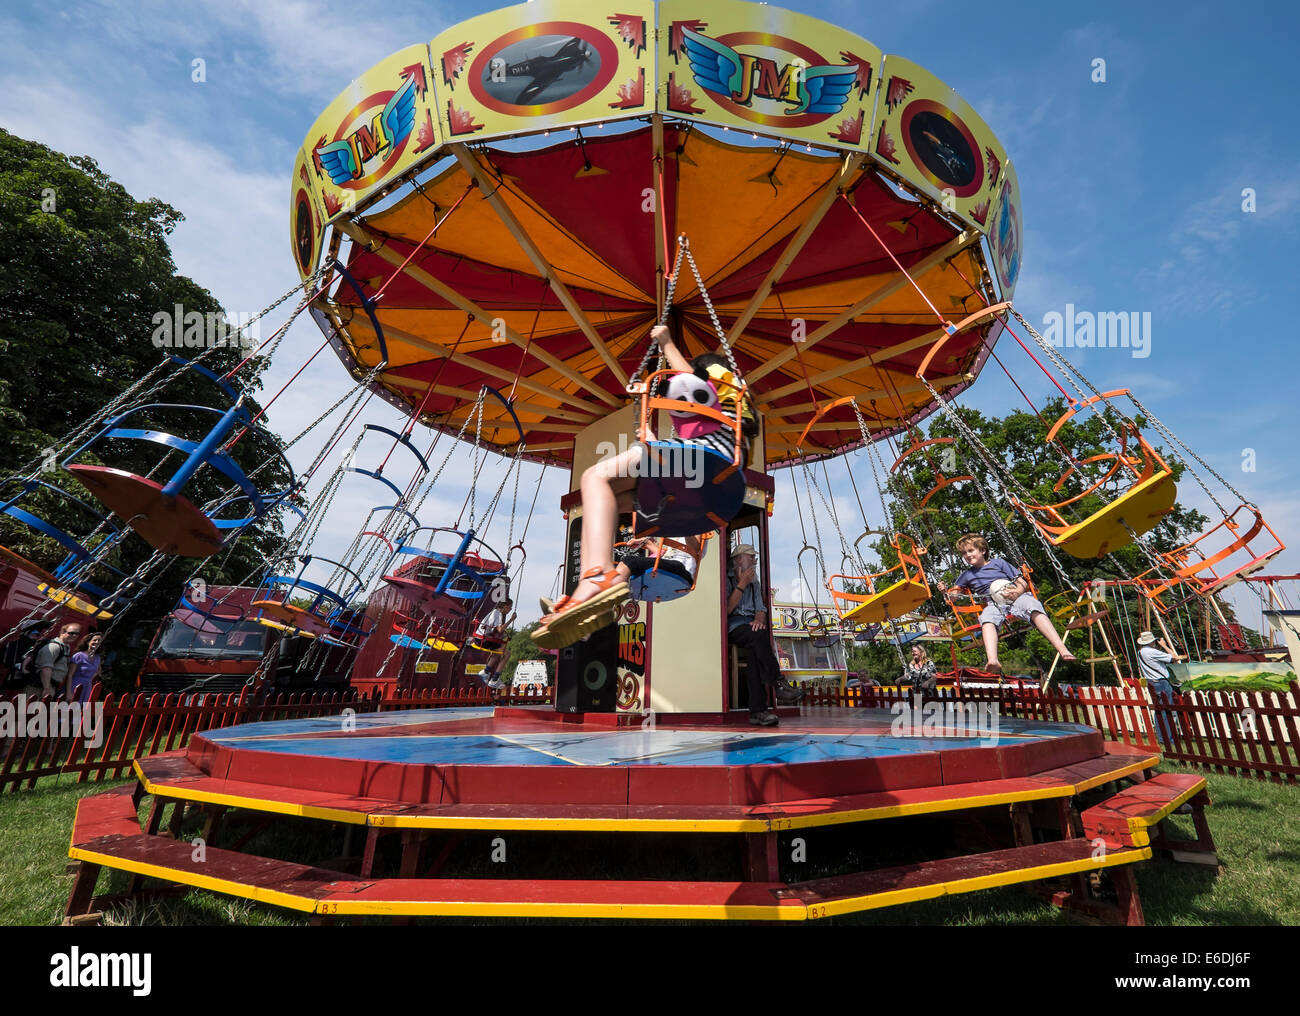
{"points": [[84, 269]]}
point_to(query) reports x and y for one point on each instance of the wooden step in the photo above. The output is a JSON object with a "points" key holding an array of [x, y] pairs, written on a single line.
{"points": [[321, 891], [112, 812], [889, 887], [176, 778], [1126, 818]]}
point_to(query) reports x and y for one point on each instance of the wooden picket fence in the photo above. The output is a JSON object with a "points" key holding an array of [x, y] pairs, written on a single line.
{"points": [[1243, 734], [135, 725], [1239, 733]]}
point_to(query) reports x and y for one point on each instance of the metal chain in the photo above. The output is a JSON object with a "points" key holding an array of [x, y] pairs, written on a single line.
{"points": [[875, 476], [133, 392], [1002, 476], [653, 348], [1066, 369], [713, 315], [817, 536], [1169, 435]]}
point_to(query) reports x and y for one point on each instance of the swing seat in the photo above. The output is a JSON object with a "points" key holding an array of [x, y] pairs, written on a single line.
{"points": [[908, 590], [678, 504], [1140, 507], [438, 582], [326, 614], [266, 622], [903, 597], [422, 595], [1073, 614], [438, 645], [170, 524], [485, 644], [286, 616], [74, 602], [20, 562], [69, 583], [407, 634], [659, 585], [867, 634], [159, 512], [1205, 571]]}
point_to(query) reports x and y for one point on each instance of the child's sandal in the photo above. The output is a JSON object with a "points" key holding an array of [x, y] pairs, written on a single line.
{"points": [[570, 621]]}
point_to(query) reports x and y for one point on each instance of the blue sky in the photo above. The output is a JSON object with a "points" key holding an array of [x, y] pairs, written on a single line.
{"points": [[1131, 188]]}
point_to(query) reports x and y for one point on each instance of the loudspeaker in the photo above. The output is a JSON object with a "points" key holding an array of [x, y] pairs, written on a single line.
{"points": [[586, 674]]}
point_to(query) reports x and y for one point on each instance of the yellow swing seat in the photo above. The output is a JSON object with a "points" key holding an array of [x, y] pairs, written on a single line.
{"points": [[74, 602], [903, 597], [1140, 508], [1145, 503]]}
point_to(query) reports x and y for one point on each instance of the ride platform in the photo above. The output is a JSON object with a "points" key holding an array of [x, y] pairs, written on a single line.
{"points": [[1036, 792]]}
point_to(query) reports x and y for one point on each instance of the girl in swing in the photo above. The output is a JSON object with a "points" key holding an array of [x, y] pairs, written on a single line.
{"points": [[608, 487]]}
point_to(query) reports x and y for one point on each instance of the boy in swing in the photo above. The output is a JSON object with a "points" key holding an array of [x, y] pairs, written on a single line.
{"points": [[607, 491], [1007, 592]]}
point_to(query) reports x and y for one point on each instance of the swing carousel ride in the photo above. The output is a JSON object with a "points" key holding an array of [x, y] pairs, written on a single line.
{"points": [[487, 227]]}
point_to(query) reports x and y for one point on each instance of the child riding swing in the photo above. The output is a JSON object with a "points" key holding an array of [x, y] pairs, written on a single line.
{"points": [[715, 423]]}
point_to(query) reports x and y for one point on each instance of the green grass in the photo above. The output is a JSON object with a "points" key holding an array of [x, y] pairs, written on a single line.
{"points": [[1256, 827]]}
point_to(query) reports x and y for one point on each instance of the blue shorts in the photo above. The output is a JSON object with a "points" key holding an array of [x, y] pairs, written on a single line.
{"points": [[1024, 608]]}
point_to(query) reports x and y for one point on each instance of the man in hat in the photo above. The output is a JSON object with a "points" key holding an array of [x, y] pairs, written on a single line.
{"points": [[1153, 656], [747, 629]]}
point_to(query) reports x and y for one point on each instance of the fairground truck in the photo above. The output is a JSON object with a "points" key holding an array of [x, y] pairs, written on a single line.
{"points": [[216, 645]]}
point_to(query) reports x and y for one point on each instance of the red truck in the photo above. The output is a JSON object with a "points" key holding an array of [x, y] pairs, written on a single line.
{"points": [[215, 645]]}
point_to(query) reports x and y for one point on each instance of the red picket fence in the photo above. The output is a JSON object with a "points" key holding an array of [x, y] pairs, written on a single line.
{"points": [[1239, 733], [137, 725]]}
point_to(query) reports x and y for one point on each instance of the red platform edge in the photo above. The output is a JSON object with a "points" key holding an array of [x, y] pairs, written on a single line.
{"points": [[752, 784]]}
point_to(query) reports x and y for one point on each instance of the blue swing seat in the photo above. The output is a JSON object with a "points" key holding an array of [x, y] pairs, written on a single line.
{"points": [[70, 580], [160, 512], [325, 616], [439, 583]]}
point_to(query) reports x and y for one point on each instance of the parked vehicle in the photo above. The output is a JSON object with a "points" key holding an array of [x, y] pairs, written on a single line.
{"points": [[218, 647]]}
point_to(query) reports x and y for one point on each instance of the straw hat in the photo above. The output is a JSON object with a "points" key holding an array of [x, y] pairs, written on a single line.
{"points": [[1146, 639]]}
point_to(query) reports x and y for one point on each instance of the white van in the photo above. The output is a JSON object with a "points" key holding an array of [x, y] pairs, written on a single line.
{"points": [[530, 674]]}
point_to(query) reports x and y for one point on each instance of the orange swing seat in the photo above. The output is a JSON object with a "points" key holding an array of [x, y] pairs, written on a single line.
{"points": [[1203, 571], [907, 592], [1149, 499]]}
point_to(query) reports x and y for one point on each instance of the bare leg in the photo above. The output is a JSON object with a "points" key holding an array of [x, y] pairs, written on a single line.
{"points": [[1044, 624], [989, 632], [604, 486]]}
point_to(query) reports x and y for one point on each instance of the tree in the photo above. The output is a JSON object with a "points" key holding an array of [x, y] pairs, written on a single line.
{"points": [[84, 269], [522, 647]]}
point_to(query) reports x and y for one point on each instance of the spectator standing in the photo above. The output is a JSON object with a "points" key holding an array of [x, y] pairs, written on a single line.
{"points": [[86, 665], [1154, 655]]}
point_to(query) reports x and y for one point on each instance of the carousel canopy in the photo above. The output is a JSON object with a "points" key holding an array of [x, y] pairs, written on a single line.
{"points": [[508, 200]]}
